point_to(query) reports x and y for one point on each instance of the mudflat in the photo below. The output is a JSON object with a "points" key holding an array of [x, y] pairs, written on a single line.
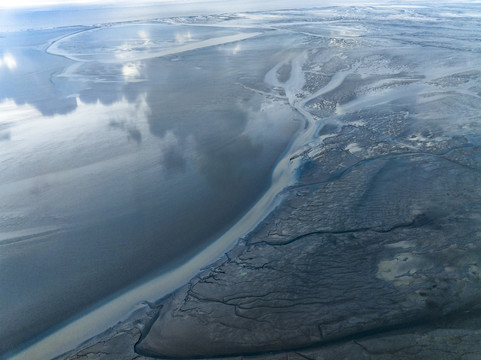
{"points": [[372, 250]]}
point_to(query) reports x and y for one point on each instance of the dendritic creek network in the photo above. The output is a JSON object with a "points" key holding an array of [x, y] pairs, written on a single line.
{"points": [[280, 181]]}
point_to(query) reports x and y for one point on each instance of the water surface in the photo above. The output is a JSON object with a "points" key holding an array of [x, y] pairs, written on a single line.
{"points": [[120, 158]]}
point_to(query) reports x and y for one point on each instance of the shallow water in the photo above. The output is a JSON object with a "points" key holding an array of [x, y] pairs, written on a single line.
{"points": [[114, 169]]}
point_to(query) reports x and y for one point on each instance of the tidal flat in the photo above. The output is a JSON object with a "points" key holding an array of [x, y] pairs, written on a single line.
{"points": [[299, 183]]}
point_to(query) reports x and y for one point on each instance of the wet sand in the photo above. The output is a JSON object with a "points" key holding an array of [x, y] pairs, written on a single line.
{"points": [[379, 125]]}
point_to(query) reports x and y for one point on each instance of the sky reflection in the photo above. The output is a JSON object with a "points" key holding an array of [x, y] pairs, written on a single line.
{"points": [[132, 165]]}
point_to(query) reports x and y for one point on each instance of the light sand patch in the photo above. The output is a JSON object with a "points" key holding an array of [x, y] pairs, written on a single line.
{"points": [[401, 244], [401, 269], [353, 148]]}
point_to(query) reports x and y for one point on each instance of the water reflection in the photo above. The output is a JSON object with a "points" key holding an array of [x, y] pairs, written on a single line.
{"points": [[132, 166], [236, 49], [183, 38], [8, 61], [131, 71]]}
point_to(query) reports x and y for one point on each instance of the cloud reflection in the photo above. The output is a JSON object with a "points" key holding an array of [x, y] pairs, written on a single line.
{"points": [[53, 144], [128, 48], [8, 61], [183, 38], [133, 133], [144, 35], [173, 157], [131, 70], [236, 49]]}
